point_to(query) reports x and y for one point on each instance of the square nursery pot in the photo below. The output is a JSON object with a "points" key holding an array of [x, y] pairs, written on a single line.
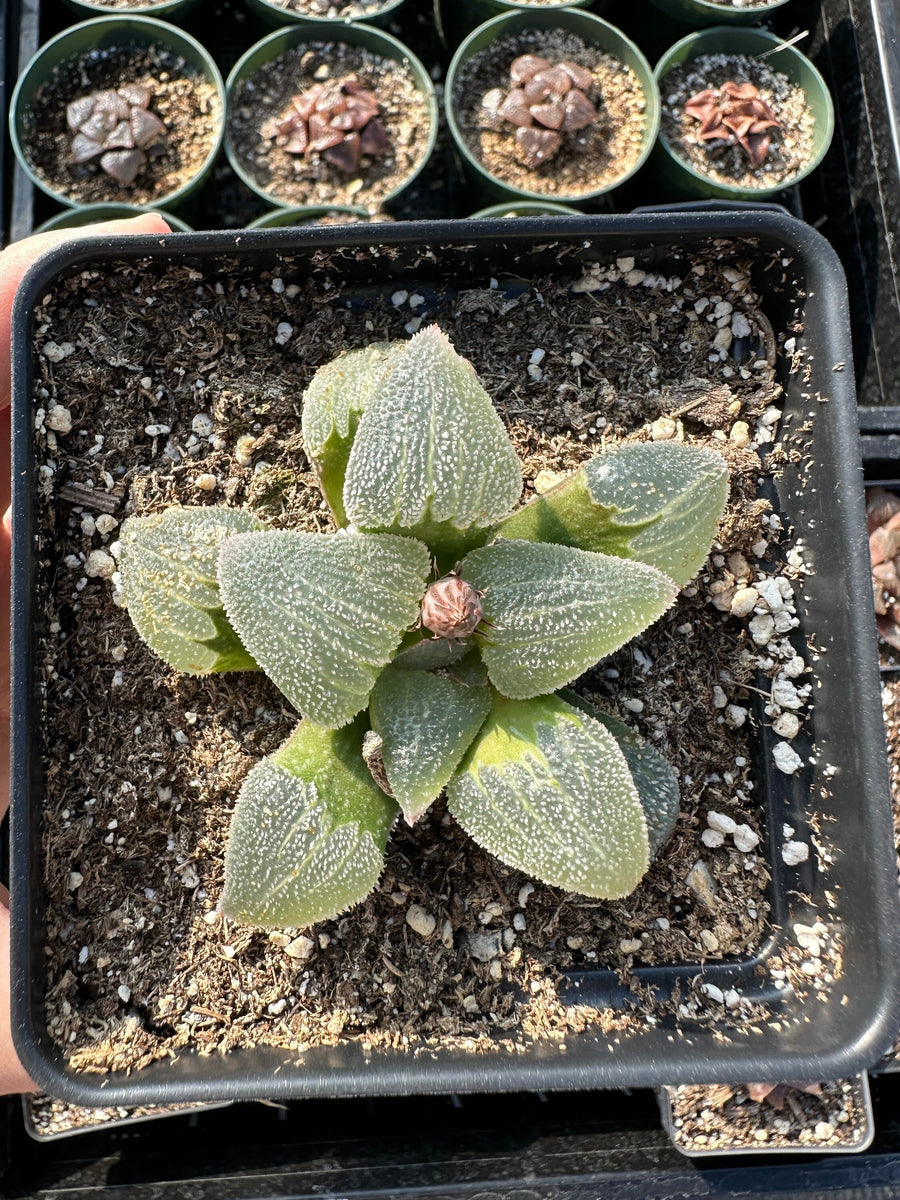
{"points": [[773, 1011]]}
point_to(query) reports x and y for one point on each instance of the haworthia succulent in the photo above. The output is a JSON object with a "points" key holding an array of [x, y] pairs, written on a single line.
{"points": [[427, 723], [431, 456], [658, 502], [553, 611], [547, 790], [656, 782], [332, 405], [168, 566], [308, 833], [323, 615]]}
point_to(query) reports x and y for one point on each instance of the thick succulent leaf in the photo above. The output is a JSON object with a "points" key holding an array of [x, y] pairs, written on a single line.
{"points": [[168, 567], [431, 456], [308, 831], [427, 723], [656, 782], [419, 651], [658, 502], [551, 611], [323, 614], [332, 405], [546, 789]]}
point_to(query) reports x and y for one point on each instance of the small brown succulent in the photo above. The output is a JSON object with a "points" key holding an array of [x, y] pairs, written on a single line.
{"points": [[117, 125], [735, 113], [338, 120], [883, 518], [546, 102], [774, 1093], [452, 608]]}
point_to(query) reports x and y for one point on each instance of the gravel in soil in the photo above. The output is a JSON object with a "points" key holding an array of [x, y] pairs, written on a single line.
{"points": [[723, 1117], [595, 159], [310, 179], [187, 104], [791, 146], [51, 1118], [160, 386], [340, 10]]}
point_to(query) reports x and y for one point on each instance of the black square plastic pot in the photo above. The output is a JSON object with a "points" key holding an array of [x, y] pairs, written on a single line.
{"points": [[842, 790]]}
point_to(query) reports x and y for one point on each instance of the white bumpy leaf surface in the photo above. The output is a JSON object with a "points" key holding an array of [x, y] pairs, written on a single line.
{"points": [[430, 446], [681, 490], [322, 615], [547, 790], [339, 391], [168, 565], [427, 722], [553, 611], [288, 862]]}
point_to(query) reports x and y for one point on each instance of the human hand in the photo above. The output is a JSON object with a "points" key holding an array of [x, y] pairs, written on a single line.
{"points": [[14, 262]]}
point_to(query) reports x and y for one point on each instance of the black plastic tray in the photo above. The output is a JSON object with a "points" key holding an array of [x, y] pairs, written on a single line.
{"points": [[824, 494]]}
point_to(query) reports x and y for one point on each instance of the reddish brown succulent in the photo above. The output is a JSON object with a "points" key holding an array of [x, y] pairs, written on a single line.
{"points": [[774, 1093], [735, 113], [117, 125], [338, 120], [546, 102], [883, 516], [452, 608]]}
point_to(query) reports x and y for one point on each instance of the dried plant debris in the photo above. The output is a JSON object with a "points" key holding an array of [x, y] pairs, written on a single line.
{"points": [[115, 126], [339, 121], [551, 114], [800, 1116], [737, 120], [122, 124], [295, 125], [453, 948]]}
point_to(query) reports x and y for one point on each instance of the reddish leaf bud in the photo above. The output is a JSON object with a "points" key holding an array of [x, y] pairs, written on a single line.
{"points": [[451, 608]]}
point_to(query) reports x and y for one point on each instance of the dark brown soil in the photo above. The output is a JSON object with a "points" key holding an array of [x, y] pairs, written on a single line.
{"points": [[791, 147], [723, 1117], [597, 159], [311, 179], [187, 104], [175, 385]]}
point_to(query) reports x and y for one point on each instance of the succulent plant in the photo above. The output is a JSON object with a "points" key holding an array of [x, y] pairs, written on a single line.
{"points": [[429, 642], [735, 113], [117, 125], [547, 103], [339, 120], [883, 519]]}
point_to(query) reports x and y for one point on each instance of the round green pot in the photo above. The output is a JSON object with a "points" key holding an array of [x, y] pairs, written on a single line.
{"points": [[90, 214], [704, 12], [165, 8], [731, 39], [94, 38], [274, 14], [457, 18], [282, 218], [349, 33], [526, 208], [590, 29]]}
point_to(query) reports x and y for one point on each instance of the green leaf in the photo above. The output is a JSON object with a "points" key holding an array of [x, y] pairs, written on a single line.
{"points": [[332, 405], [547, 790], [553, 611], [658, 502], [419, 651], [322, 614], [656, 782], [168, 566], [431, 456], [308, 831], [427, 723]]}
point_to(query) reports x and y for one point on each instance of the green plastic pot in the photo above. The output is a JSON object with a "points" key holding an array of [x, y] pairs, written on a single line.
{"points": [[351, 34], [308, 214], [165, 8], [90, 214], [274, 14], [526, 208], [705, 12], [457, 18], [589, 28], [732, 39], [95, 38]]}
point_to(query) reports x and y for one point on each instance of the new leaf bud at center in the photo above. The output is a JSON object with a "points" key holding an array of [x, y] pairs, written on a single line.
{"points": [[451, 608]]}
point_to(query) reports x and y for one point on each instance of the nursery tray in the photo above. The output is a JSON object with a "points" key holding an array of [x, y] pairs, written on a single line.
{"points": [[850, 879]]}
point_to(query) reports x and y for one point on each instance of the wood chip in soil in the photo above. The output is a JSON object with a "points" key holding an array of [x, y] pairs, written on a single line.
{"points": [[595, 159], [791, 147], [723, 1117], [186, 103], [153, 378], [310, 179]]}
